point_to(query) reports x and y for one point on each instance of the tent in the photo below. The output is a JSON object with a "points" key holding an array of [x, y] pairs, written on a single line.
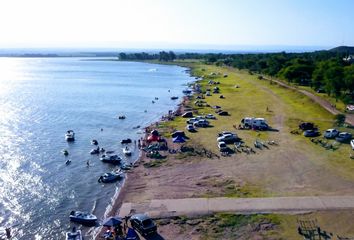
{"points": [[153, 138], [178, 133], [179, 139], [154, 132], [112, 221]]}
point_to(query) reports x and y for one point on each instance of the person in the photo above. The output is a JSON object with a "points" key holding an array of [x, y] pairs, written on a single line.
{"points": [[88, 163], [8, 232]]}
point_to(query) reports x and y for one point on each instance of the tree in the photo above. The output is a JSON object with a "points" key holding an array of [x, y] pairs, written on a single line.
{"points": [[340, 119]]}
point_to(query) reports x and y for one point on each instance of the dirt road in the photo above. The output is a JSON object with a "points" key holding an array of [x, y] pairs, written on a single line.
{"points": [[159, 208]]}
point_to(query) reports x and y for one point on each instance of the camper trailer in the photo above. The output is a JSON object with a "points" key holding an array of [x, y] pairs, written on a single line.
{"points": [[257, 123]]}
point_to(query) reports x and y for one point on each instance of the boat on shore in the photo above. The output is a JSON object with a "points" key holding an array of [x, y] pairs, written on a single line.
{"points": [[75, 234], [83, 218], [70, 136], [110, 177], [127, 151], [113, 159]]}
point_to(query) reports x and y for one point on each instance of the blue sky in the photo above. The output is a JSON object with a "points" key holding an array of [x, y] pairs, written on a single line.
{"points": [[171, 24]]}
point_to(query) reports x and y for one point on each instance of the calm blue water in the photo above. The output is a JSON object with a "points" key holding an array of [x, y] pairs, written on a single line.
{"points": [[42, 98]]}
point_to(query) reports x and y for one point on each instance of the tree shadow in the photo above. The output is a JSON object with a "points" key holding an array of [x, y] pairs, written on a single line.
{"points": [[155, 236]]}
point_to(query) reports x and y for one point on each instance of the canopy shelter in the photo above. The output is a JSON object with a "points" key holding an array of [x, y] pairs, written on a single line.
{"points": [[179, 139], [112, 221]]}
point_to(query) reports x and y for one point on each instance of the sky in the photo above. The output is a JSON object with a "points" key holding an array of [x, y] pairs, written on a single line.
{"points": [[175, 23]]}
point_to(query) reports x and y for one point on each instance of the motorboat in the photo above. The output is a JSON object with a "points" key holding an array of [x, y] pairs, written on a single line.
{"points": [[70, 136], [113, 159], [352, 143], [126, 166], [65, 152], [67, 162], [94, 142], [174, 98], [95, 150], [74, 235], [127, 151], [83, 218], [125, 141], [110, 177], [121, 117]]}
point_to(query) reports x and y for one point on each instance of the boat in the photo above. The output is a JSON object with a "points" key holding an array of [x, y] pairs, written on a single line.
{"points": [[124, 141], [95, 150], [83, 218], [127, 151], [352, 143], [126, 166], [65, 152], [174, 98], [121, 117], [94, 142], [187, 91], [67, 162], [74, 235], [70, 136], [113, 159], [110, 177]]}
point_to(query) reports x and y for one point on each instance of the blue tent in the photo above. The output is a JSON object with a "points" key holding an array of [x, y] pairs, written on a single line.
{"points": [[112, 221], [131, 235], [179, 139]]}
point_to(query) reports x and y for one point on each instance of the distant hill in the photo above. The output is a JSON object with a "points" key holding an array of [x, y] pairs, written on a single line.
{"points": [[343, 49]]}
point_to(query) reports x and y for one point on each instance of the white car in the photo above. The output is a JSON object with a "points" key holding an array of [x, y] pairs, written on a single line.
{"points": [[190, 128], [331, 133], [210, 116], [228, 138], [352, 143], [191, 120], [226, 133], [222, 146]]}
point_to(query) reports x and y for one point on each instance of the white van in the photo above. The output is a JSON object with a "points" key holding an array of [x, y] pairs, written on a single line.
{"points": [[259, 123]]}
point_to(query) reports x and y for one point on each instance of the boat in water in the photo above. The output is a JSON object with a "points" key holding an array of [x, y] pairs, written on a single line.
{"points": [[110, 177], [74, 235], [125, 141], [95, 151], [94, 142], [174, 98], [127, 151], [83, 218], [113, 159], [70, 136]]}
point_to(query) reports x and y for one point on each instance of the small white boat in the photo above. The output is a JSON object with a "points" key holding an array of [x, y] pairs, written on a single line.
{"points": [[110, 177], [70, 136], [74, 235], [127, 151], [83, 217]]}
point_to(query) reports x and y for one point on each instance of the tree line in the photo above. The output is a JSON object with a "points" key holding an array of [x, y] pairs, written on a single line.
{"points": [[324, 71]]}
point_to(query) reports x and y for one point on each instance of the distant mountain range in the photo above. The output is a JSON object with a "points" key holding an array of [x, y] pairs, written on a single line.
{"points": [[343, 49]]}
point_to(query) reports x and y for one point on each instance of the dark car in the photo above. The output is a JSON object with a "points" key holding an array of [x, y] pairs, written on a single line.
{"points": [[143, 224], [311, 133], [344, 137], [306, 126]]}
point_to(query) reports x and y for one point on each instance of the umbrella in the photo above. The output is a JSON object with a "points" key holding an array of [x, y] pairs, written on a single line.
{"points": [[112, 221]]}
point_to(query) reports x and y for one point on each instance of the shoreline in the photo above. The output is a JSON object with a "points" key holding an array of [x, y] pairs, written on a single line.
{"points": [[117, 201]]}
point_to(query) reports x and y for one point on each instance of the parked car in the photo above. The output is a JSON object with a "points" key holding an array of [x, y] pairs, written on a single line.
{"points": [[228, 138], [331, 133], [190, 128], [191, 120], [306, 126], [143, 224], [222, 146], [312, 133], [226, 133], [210, 116], [352, 143], [223, 113], [201, 123], [344, 137]]}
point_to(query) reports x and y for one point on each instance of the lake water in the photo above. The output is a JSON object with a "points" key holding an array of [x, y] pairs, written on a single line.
{"points": [[41, 98]]}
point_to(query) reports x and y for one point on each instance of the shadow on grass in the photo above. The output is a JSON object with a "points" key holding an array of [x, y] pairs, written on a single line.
{"points": [[155, 237]]}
